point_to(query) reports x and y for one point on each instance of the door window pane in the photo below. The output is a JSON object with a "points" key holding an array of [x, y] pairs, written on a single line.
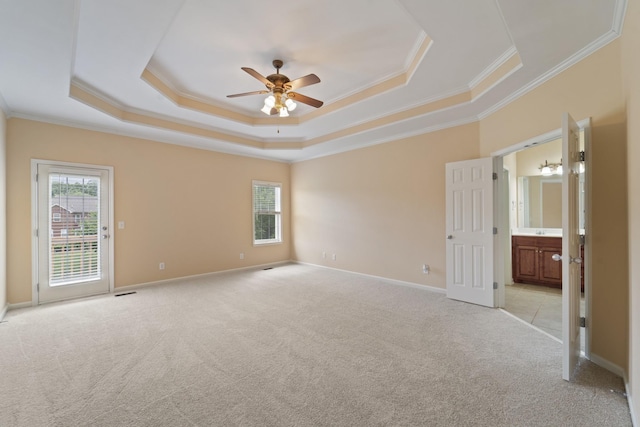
{"points": [[74, 217]]}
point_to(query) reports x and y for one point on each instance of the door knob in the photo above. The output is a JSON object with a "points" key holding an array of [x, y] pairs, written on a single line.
{"points": [[105, 236], [558, 257]]}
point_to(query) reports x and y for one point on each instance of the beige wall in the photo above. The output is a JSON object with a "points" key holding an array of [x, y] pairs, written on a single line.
{"points": [[3, 213], [379, 209], [631, 71], [186, 207]]}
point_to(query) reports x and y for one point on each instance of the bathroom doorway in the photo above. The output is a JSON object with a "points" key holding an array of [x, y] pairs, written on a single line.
{"points": [[532, 211]]}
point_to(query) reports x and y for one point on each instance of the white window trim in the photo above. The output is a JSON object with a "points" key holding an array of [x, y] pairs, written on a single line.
{"points": [[266, 242]]}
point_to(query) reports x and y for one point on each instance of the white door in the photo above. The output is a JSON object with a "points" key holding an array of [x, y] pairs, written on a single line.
{"points": [[72, 232], [570, 246], [469, 231]]}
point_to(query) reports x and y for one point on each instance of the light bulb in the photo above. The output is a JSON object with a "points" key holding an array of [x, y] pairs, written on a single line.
{"points": [[270, 101], [546, 171], [559, 170], [266, 109], [290, 104], [284, 112]]}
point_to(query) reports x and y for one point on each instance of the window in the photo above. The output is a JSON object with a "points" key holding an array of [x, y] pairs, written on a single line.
{"points": [[57, 217], [267, 215]]}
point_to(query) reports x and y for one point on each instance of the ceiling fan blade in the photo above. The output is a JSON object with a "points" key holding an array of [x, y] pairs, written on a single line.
{"points": [[305, 99], [258, 76], [307, 80], [255, 92]]}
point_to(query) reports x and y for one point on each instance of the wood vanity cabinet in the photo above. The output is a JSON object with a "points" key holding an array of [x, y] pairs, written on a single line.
{"points": [[532, 262]]}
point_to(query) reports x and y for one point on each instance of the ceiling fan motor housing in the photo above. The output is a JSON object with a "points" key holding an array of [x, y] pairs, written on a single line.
{"points": [[278, 80]]}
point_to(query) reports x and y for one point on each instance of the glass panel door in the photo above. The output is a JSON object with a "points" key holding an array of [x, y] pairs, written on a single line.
{"points": [[73, 232]]}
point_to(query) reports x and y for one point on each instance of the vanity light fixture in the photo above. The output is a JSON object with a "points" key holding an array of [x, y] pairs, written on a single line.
{"points": [[549, 169]]}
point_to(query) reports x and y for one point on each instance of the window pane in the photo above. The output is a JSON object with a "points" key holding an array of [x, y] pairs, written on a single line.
{"points": [[266, 210], [265, 227], [265, 199], [73, 229]]}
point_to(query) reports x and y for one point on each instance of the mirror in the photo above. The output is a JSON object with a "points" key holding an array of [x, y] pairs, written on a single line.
{"points": [[540, 201]]}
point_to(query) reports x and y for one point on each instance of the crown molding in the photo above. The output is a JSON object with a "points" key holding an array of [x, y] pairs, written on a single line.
{"points": [[564, 65], [618, 16], [394, 137], [493, 67], [205, 145]]}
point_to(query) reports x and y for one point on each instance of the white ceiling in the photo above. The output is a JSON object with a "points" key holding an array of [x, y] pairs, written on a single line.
{"points": [[383, 65]]}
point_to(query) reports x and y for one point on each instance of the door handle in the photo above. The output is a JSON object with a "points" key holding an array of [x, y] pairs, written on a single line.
{"points": [[450, 236], [558, 257]]}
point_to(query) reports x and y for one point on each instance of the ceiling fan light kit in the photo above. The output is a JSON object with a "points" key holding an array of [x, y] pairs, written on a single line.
{"points": [[281, 98]]}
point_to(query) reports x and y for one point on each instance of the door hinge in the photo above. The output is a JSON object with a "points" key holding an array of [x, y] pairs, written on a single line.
{"points": [[582, 239], [582, 156], [495, 285], [495, 230], [495, 176], [38, 287], [583, 322], [37, 175]]}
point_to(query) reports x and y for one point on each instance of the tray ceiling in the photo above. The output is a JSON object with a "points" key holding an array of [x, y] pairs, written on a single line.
{"points": [[161, 69]]}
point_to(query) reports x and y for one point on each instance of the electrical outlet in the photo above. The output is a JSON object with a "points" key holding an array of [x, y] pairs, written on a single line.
{"points": [[161, 266], [241, 255], [333, 257], [324, 255], [121, 225], [425, 269]]}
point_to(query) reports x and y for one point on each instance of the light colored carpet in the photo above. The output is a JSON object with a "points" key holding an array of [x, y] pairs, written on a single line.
{"points": [[295, 345]]}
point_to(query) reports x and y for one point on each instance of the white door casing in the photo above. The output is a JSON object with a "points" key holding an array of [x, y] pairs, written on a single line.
{"points": [[570, 246], [71, 260], [469, 231]]}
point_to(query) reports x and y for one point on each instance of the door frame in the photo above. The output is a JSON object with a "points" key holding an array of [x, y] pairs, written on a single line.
{"points": [[585, 126], [34, 221]]}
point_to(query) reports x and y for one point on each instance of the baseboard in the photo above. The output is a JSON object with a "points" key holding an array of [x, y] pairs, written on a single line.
{"points": [[632, 412], [386, 279], [4, 311], [20, 305], [195, 276], [611, 367]]}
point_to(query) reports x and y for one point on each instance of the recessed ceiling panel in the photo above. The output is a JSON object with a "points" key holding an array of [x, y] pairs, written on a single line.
{"points": [[349, 45]]}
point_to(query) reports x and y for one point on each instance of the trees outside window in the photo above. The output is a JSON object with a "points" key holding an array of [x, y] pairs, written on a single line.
{"points": [[267, 213]]}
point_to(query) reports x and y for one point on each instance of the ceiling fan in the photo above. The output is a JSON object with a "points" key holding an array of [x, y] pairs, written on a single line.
{"points": [[281, 100]]}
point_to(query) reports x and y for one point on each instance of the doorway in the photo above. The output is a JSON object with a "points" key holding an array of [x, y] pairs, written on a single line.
{"points": [[72, 219], [532, 208]]}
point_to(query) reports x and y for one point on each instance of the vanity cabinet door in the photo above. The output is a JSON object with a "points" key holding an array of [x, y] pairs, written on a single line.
{"points": [[550, 270], [526, 260]]}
